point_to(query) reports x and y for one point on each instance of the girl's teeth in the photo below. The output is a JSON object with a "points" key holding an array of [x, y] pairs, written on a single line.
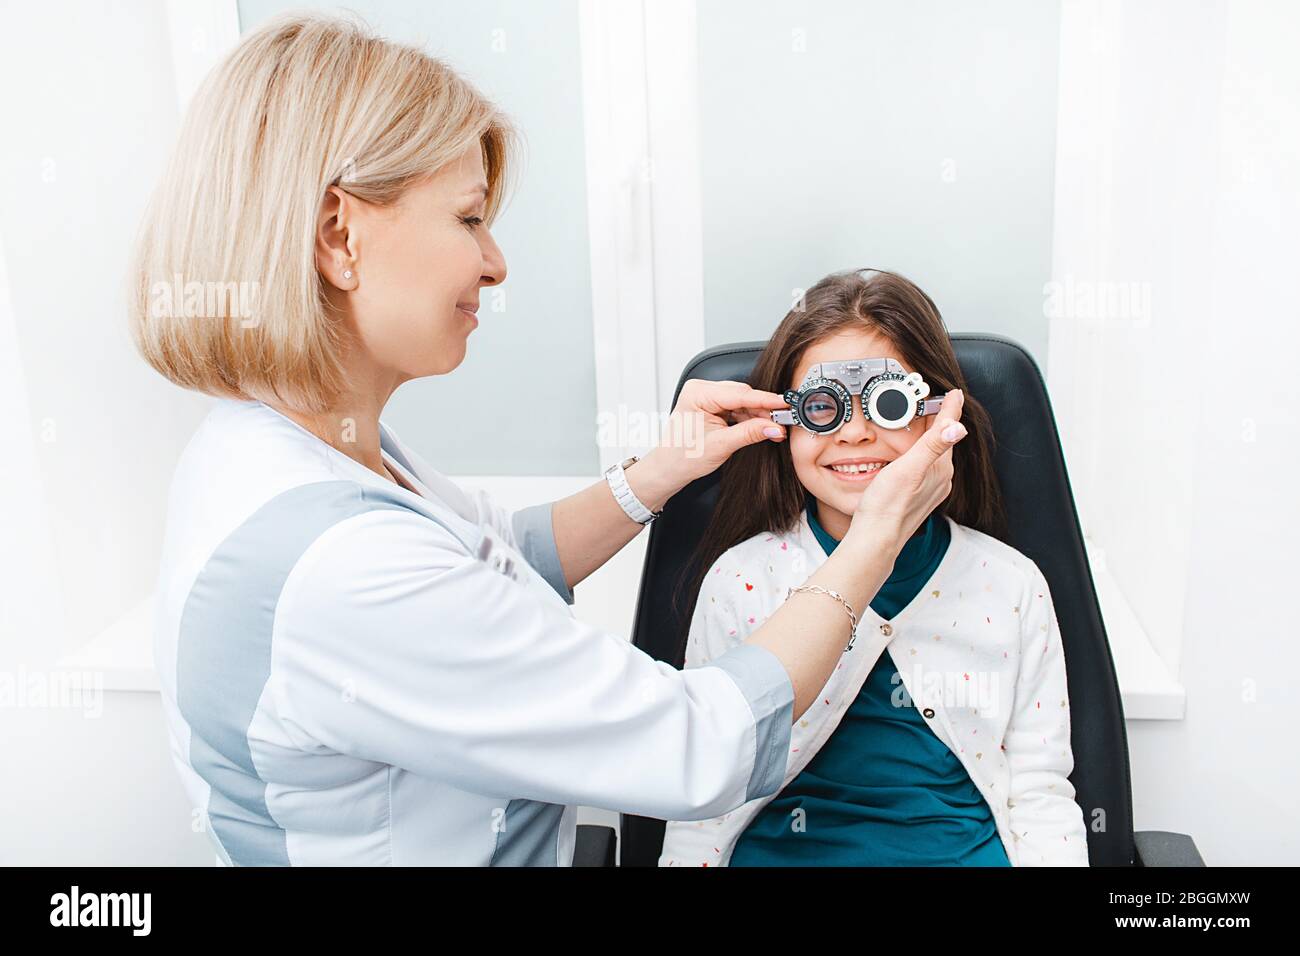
{"points": [[854, 469]]}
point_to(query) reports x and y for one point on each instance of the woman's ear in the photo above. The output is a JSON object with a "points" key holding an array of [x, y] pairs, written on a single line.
{"points": [[336, 241]]}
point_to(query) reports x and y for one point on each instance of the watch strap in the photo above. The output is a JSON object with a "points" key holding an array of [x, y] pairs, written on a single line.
{"points": [[623, 494]]}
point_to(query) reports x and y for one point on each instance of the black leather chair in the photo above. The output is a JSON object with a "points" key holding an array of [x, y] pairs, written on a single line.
{"points": [[1042, 523]]}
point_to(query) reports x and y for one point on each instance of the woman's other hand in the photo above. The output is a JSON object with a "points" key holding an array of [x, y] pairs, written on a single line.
{"points": [[905, 491]]}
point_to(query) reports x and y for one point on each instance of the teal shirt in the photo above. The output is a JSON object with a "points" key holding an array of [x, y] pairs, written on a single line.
{"points": [[884, 790]]}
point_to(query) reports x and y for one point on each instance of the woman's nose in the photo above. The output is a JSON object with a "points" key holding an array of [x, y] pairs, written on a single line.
{"points": [[494, 262]]}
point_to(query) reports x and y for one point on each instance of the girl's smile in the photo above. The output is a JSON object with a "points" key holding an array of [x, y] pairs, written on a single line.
{"points": [[856, 470]]}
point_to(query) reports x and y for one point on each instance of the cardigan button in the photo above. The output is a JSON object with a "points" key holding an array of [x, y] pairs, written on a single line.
{"points": [[929, 712], [886, 630]]}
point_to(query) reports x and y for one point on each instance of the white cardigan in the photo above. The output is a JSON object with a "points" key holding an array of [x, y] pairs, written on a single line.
{"points": [[978, 649]]}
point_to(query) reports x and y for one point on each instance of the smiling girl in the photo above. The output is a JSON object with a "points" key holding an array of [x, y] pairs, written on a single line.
{"points": [[943, 735]]}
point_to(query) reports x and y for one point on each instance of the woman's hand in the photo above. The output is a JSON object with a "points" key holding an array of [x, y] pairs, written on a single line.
{"points": [[712, 420], [906, 490]]}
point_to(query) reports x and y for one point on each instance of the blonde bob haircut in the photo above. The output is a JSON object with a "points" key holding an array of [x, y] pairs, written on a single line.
{"points": [[301, 104]]}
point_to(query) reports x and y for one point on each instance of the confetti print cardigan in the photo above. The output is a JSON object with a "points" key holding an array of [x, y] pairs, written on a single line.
{"points": [[979, 653]]}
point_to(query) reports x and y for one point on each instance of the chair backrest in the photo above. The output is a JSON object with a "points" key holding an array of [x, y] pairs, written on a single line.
{"points": [[1042, 524]]}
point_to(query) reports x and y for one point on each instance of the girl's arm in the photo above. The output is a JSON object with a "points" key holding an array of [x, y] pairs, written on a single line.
{"points": [[1046, 821]]}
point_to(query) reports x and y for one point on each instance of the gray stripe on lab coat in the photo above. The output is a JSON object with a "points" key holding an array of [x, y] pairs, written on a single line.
{"points": [[223, 658], [529, 835], [536, 539], [766, 685]]}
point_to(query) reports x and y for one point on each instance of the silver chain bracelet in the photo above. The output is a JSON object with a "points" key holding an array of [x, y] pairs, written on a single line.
{"points": [[818, 589]]}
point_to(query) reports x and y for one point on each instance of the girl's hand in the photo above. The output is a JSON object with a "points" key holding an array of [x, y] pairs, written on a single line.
{"points": [[905, 491], [712, 420]]}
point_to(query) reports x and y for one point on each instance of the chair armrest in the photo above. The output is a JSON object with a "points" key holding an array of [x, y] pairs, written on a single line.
{"points": [[595, 845], [1161, 848]]}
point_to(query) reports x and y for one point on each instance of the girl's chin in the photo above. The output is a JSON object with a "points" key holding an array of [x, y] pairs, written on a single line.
{"points": [[844, 490]]}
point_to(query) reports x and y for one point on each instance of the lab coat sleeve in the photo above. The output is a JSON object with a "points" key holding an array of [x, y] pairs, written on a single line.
{"points": [[1045, 820], [718, 625], [530, 531], [395, 645]]}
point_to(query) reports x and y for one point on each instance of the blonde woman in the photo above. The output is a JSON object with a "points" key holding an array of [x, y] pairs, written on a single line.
{"points": [[362, 662]]}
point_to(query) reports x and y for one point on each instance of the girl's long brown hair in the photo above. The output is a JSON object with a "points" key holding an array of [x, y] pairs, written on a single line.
{"points": [[758, 488]]}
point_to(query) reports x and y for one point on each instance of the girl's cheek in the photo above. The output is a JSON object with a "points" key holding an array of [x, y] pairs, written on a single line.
{"points": [[907, 439], [802, 450]]}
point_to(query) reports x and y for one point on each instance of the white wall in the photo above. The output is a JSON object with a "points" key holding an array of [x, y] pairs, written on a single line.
{"points": [[90, 434], [1178, 165], [915, 136]]}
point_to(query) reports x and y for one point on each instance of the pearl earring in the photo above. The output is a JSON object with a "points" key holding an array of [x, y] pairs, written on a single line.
{"points": [[347, 274]]}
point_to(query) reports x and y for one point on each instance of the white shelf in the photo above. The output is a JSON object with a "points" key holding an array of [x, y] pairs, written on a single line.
{"points": [[123, 653], [1148, 690]]}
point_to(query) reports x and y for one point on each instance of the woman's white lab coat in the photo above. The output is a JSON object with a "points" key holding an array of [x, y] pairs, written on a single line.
{"points": [[354, 673]]}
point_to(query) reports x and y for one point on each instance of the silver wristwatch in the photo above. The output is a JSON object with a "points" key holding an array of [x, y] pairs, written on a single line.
{"points": [[629, 502]]}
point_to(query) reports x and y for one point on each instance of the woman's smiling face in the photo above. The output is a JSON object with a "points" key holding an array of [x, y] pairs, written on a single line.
{"points": [[857, 441], [419, 266]]}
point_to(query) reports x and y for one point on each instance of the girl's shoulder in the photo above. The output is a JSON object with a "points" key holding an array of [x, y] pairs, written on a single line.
{"points": [[757, 548], [989, 554], [762, 563]]}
